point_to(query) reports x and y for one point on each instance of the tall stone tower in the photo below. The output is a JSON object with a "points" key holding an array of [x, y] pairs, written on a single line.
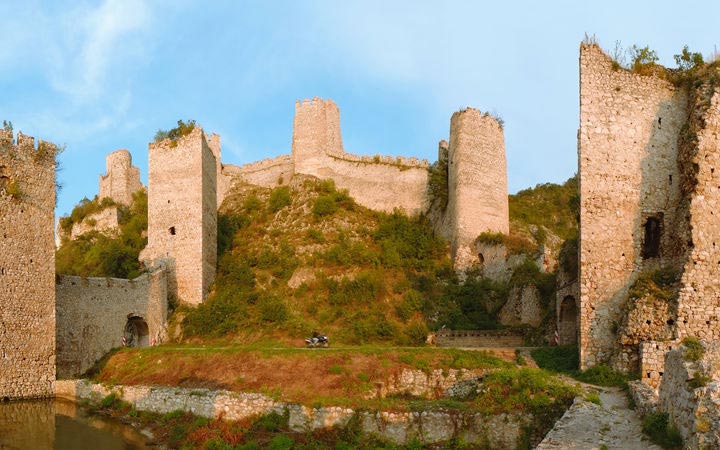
{"points": [[477, 182], [122, 178], [182, 214], [316, 133], [27, 267]]}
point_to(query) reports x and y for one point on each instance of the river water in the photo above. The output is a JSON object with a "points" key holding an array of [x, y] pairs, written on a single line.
{"points": [[62, 425]]}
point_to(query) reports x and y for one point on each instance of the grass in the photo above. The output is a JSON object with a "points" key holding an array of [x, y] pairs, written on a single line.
{"points": [[657, 427], [694, 350], [565, 359]]}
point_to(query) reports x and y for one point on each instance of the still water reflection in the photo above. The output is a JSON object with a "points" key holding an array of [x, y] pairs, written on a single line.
{"points": [[58, 424]]}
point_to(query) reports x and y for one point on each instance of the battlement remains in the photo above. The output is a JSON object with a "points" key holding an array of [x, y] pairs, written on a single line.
{"points": [[122, 178], [27, 266]]}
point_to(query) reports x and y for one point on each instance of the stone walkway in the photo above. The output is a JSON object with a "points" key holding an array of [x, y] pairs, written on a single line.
{"points": [[589, 426]]}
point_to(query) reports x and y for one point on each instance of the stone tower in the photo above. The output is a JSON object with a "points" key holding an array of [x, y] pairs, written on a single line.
{"points": [[477, 182], [27, 267], [122, 178], [182, 214], [629, 182], [316, 133]]}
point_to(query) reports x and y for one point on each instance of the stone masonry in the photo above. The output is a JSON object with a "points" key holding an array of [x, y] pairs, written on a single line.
{"points": [[477, 182], [93, 315], [122, 179], [628, 152], [182, 214], [27, 267]]}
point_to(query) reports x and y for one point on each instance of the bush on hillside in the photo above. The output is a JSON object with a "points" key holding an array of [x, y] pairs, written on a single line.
{"points": [[95, 254]]}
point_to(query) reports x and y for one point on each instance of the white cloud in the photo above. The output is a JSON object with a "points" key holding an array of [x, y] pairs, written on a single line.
{"points": [[99, 41]]}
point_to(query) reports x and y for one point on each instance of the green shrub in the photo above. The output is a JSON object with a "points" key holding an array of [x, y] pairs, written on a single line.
{"points": [[491, 238], [602, 375], [279, 198], [315, 235], [281, 442], [12, 188], [252, 204], [412, 302], [271, 422], [438, 192], [688, 60], [642, 60], [228, 225], [549, 205], [324, 206], [95, 254], [569, 257], [694, 350], [593, 397], [110, 400], [273, 310], [417, 333], [561, 358], [659, 284], [657, 427], [182, 129]]}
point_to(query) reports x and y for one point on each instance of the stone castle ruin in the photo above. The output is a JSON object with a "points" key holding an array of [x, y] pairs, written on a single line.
{"points": [[477, 173], [648, 154]]}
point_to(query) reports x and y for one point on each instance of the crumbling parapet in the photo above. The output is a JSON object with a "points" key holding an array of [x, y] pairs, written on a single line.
{"points": [[182, 214], [27, 267], [477, 183], [121, 180]]}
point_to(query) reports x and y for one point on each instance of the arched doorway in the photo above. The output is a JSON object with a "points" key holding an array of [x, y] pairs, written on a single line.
{"points": [[136, 332], [567, 323]]}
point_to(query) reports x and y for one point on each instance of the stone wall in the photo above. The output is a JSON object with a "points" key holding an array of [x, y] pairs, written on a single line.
{"points": [[501, 431], [523, 307], [92, 314], [105, 221], [699, 301], [121, 180], [477, 182], [27, 267], [628, 152], [652, 360], [693, 409], [182, 214], [269, 173], [479, 338]]}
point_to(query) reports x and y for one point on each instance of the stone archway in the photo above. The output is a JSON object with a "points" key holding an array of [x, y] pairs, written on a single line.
{"points": [[568, 321], [136, 332]]}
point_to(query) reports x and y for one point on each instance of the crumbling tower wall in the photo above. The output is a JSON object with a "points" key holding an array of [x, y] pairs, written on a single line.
{"points": [[122, 178], [477, 183], [629, 194], [182, 214], [27, 267]]}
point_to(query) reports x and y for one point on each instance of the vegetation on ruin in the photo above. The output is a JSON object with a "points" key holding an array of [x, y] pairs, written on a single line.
{"points": [[694, 350], [438, 192], [181, 130], [515, 243], [660, 284], [83, 209], [569, 257], [95, 254], [12, 188], [658, 428]]}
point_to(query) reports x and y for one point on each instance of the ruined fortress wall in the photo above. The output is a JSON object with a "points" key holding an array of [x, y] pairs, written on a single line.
{"points": [[477, 182], [269, 173], [27, 267], [104, 221], [627, 147], [182, 214], [92, 314], [378, 186], [122, 178], [699, 301]]}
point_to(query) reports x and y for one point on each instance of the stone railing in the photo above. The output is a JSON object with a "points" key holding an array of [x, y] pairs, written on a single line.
{"points": [[479, 338]]}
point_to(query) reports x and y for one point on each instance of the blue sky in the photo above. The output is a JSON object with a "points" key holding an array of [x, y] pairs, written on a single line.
{"points": [[101, 75]]}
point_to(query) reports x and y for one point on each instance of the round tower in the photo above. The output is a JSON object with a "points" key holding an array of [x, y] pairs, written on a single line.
{"points": [[477, 182]]}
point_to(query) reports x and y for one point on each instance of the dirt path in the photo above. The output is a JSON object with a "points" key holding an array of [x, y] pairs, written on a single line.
{"points": [[589, 426]]}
